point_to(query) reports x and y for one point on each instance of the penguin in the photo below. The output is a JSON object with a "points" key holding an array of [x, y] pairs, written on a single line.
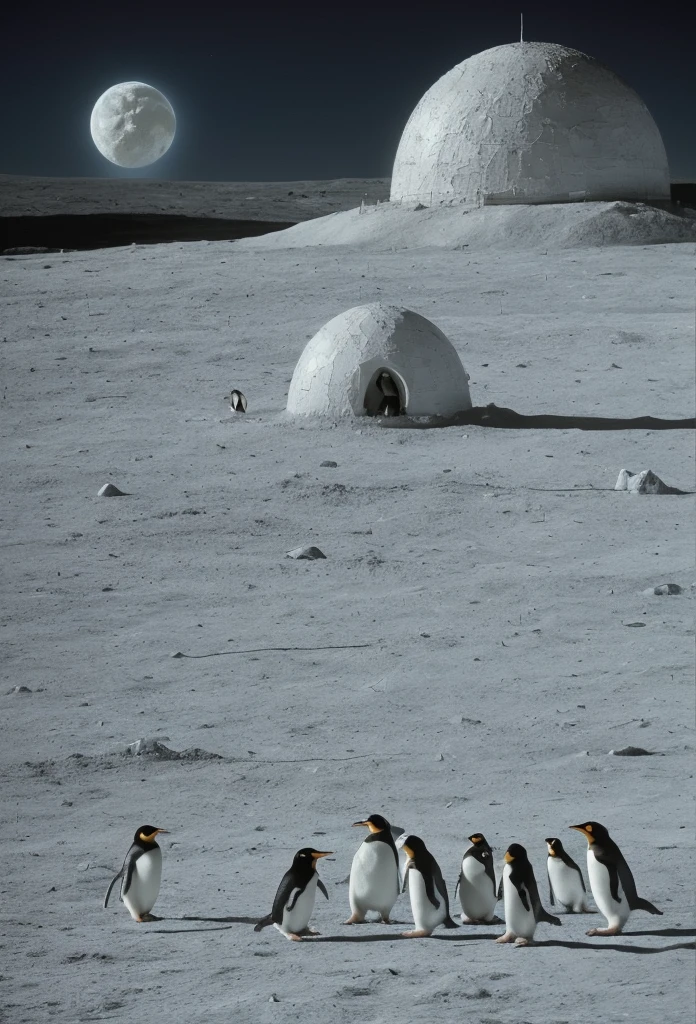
{"points": [[611, 881], [294, 900], [141, 874], [374, 873], [391, 403], [427, 889], [238, 402], [523, 909], [566, 883], [478, 893]]}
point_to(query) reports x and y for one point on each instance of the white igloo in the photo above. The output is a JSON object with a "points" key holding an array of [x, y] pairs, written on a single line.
{"points": [[530, 123], [379, 359]]}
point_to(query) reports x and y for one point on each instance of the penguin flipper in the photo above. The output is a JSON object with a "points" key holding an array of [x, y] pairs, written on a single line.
{"points": [[500, 888], [539, 913], [456, 887], [408, 867], [322, 887], [582, 880], [114, 880], [264, 923], [442, 889], [641, 904], [430, 891], [552, 901], [488, 866], [635, 902]]}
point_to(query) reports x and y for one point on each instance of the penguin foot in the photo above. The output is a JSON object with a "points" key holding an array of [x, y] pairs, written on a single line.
{"points": [[355, 919], [386, 920], [614, 930], [421, 933], [147, 917], [507, 937], [309, 931], [293, 937], [523, 942]]}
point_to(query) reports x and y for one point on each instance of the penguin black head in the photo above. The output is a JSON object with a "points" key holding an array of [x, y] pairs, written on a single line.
{"points": [[516, 852], [146, 835], [478, 839], [375, 823], [555, 847], [308, 856], [592, 831], [414, 847]]}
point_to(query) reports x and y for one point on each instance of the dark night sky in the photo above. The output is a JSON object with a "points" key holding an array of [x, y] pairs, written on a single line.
{"points": [[299, 91]]}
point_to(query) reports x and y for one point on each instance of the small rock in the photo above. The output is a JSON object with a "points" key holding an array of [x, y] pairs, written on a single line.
{"points": [[310, 551], [632, 752], [664, 589], [273, 998], [66, 803], [645, 482], [328, 464], [20, 689], [111, 491]]}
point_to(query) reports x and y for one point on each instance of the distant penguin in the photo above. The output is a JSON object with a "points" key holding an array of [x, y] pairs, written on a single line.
{"points": [[566, 883], [391, 403], [238, 402], [523, 909], [427, 889], [141, 874], [294, 900], [478, 893], [374, 874], [611, 881]]}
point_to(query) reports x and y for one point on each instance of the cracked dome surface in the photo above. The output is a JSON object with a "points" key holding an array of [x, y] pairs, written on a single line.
{"points": [[340, 363], [530, 122]]}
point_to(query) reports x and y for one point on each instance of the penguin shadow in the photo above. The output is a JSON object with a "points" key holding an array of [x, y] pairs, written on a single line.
{"points": [[664, 931], [397, 937], [223, 924], [620, 947]]}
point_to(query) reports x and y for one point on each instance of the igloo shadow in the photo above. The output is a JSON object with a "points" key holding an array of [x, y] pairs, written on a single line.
{"points": [[379, 360]]}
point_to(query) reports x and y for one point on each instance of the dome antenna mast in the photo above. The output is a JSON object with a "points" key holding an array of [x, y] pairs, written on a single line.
{"points": [[521, 27]]}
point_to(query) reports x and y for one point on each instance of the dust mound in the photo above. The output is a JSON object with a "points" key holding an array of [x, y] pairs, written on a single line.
{"points": [[509, 228]]}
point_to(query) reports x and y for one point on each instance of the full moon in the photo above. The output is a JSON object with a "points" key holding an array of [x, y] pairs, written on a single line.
{"points": [[132, 124]]}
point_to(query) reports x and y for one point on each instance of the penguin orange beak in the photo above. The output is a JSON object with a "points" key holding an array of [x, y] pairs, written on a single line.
{"points": [[355, 823], [317, 854], [578, 828], [162, 831]]}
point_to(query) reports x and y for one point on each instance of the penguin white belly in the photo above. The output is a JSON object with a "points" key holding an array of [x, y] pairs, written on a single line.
{"points": [[426, 917], [374, 879], [145, 884], [297, 919], [477, 894], [566, 885], [518, 919], [616, 913]]}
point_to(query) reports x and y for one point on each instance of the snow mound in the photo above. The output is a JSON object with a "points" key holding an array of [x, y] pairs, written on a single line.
{"points": [[508, 228]]}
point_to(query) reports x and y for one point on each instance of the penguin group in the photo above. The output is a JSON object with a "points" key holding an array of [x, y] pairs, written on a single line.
{"points": [[377, 878]]}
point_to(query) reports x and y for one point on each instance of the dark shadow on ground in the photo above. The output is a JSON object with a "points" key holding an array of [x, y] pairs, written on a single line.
{"points": [[398, 937], [219, 920], [664, 931], [617, 947], [507, 419], [187, 931]]}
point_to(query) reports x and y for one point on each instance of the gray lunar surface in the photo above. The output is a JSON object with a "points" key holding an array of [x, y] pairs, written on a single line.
{"points": [[463, 660]]}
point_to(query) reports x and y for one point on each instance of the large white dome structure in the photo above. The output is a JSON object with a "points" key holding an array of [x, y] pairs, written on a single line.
{"points": [[530, 123], [379, 359]]}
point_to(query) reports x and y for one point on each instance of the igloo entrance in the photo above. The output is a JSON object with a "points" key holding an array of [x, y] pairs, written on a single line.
{"points": [[385, 394]]}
